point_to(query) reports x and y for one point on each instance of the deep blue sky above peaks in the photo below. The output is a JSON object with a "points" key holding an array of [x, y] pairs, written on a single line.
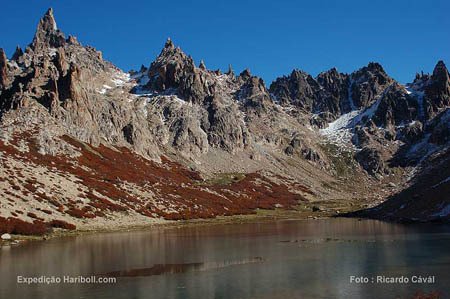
{"points": [[269, 37]]}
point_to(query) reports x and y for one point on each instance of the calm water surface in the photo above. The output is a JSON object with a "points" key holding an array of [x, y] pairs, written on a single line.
{"points": [[284, 259]]}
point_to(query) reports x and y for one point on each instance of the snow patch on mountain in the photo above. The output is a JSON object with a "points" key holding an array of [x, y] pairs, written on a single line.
{"points": [[104, 89], [339, 131], [414, 91], [120, 78]]}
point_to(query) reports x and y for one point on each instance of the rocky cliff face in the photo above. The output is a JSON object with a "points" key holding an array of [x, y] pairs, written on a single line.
{"points": [[437, 91], [203, 143], [331, 93]]}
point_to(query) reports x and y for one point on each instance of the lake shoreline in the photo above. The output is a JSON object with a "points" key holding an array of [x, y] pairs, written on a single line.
{"points": [[260, 216]]}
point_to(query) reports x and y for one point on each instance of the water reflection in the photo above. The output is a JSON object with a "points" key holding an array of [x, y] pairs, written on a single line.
{"points": [[285, 259], [159, 269]]}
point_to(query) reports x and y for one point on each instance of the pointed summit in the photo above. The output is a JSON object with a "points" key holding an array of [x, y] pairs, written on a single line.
{"points": [[437, 90], [49, 19], [202, 65], [47, 33], [375, 66], [169, 44], [169, 67], [297, 74], [170, 52], [440, 72], [245, 74], [17, 53]]}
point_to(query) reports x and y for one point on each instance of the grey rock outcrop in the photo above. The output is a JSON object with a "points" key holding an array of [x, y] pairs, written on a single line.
{"points": [[367, 83], [331, 93], [437, 90], [3, 69], [396, 107], [371, 160], [298, 89], [17, 53]]}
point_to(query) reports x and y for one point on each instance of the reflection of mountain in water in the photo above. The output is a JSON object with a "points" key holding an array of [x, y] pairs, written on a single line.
{"points": [[159, 269]]}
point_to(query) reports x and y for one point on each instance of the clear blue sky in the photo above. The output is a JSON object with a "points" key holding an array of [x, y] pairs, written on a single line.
{"points": [[269, 37]]}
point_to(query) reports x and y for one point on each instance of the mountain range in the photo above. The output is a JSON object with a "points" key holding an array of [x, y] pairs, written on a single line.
{"points": [[84, 144]]}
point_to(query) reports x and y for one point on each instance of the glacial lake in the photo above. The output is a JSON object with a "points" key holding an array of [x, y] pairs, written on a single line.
{"points": [[280, 259]]}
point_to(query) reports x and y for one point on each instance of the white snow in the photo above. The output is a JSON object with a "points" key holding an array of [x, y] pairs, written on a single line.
{"points": [[52, 52], [338, 131], [414, 90], [104, 89], [141, 79], [120, 78], [368, 113]]}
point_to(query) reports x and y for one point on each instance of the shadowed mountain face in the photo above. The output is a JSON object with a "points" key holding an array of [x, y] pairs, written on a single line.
{"points": [[81, 139]]}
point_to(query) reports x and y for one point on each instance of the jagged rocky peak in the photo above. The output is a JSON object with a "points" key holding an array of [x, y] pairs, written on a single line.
{"points": [[440, 73], [419, 81], [175, 72], [298, 89], [334, 96], [172, 54], [437, 90], [17, 53], [245, 75], [299, 75], [396, 108], [329, 77], [45, 73], [332, 80], [254, 94], [332, 92], [202, 65], [326, 95], [169, 68], [367, 83], [169, 44], [47, 34]]}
